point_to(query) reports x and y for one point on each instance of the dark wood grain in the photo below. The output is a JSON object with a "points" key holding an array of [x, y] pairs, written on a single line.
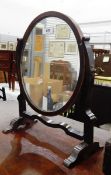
{"points": [[105, 66], [7, 64], [41, 151]]}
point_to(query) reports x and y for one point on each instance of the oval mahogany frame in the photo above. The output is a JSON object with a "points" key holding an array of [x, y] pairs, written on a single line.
{"points": [[19, 54]]}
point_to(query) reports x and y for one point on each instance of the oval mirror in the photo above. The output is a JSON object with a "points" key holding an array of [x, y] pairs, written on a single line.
{"points": [[52, 63]]}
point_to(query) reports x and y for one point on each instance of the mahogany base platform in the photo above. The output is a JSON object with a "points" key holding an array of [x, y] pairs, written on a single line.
{"points": [[41, 150]]}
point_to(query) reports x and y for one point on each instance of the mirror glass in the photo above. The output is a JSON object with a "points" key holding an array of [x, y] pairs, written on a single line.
{"points": [[50, 64]]}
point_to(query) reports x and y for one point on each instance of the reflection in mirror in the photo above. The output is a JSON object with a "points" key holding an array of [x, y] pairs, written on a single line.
{"points": [[50, 65]]}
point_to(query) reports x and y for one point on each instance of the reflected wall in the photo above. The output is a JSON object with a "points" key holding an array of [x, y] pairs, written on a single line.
{"points": [[50, 65]]}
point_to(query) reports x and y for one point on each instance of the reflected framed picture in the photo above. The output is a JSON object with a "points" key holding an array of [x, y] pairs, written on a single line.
{"points": [[62, 31], [3, 46], [56, 49], [71, 47], [11, 45], [39, 43]]}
